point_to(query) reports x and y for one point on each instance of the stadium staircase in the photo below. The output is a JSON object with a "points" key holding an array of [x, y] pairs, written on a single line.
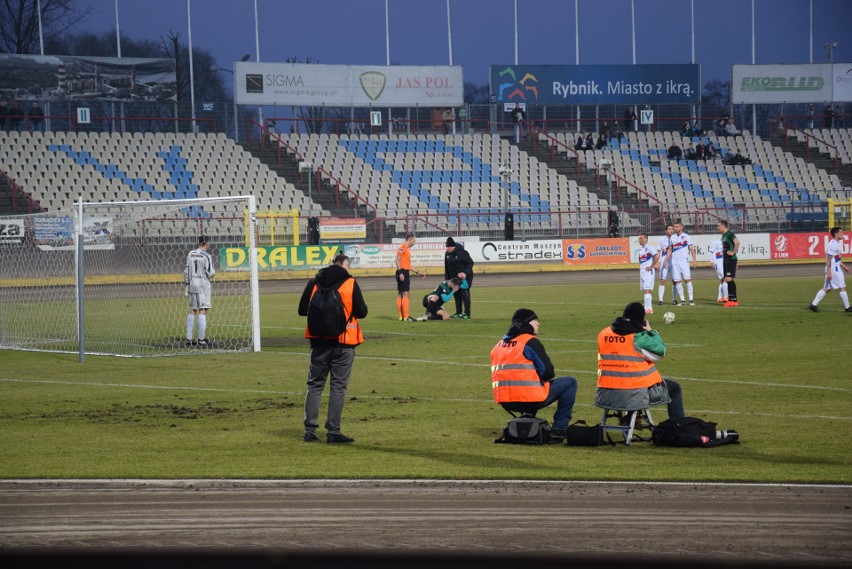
{"points": [[564, 166], [822, 160], [327, 196]]}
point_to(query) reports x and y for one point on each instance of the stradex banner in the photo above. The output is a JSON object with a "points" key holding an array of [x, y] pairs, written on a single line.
{"points": [[514, 251], [842, 82], [348, 85], [807, 83], [596, 84]]}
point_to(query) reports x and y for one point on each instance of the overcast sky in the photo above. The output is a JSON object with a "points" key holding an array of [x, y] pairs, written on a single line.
{"points": [[353, 31]]}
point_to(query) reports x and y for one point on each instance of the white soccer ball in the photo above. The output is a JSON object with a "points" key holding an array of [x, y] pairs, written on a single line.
{"points": [[669, 317]]}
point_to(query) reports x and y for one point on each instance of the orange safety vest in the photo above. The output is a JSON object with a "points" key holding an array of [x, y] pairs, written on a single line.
{"points": [[352, 335], [621, 365], [513, 377]]}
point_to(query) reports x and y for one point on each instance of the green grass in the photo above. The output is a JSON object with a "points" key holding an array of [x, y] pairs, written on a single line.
{"points": [[420, 404]]}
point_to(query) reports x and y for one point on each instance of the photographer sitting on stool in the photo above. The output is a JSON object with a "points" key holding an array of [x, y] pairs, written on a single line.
{"points": [[522, 375], [627, 376]]}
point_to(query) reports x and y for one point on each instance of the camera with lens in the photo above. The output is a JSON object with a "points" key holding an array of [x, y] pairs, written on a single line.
{"points": [[734, 436]]}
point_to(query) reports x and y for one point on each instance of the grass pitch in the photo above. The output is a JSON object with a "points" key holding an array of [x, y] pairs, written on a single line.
{"points": [[419, 402]]}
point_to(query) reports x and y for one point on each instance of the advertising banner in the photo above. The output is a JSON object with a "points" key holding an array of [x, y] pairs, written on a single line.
{"points": [[383, 256], [338, 228], [56, 232], [11, 230], [807, 83], [804, 245], [62, 77], [514, 251], [283, 258], [596, 84], [348, 85], [596, 251], [842, 82]]}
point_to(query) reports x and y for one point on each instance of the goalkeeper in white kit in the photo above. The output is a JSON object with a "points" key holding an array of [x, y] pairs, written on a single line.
{"points": [[196, 276]]}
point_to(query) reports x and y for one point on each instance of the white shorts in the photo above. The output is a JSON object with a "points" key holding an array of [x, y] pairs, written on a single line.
{"points": [[646, 279], [664, 273], [680, 270], [719, 265], [837, 280], [200, 300]]}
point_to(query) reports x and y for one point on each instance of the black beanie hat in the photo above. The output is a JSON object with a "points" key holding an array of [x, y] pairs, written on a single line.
{"points": [[635, 311], [451, 242], [524, 316]]}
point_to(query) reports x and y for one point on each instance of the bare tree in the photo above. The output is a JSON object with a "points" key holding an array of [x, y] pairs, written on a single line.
{"points": [[19, 22]]}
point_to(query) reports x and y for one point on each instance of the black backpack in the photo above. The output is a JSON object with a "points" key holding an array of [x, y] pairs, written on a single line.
{"points": [[326, 315], [691, 432], [525, 430]]}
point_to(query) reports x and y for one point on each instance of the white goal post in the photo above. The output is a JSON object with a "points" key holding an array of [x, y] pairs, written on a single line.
{"points": [[107, 277]]}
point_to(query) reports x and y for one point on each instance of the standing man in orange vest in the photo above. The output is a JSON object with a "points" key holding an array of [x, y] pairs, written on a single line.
{"points": [[403, 277], [332, 355], [627, 376], [522, 375]]}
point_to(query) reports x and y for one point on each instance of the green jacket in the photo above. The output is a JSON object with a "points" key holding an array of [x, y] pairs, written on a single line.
{"points": [[651, 341]]}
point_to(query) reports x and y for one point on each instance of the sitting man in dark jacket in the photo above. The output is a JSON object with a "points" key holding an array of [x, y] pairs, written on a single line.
{"points": [[522, 375], [627, 377], [674, 152]]}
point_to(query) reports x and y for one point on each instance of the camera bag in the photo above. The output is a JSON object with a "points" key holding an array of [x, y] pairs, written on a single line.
{"points": [[525, 430], [691, 432]]}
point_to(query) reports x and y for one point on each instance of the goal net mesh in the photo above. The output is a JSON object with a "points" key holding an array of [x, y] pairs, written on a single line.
{"points": [[134, 297]]}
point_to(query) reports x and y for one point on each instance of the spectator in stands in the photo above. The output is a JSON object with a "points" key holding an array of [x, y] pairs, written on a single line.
{"points": [[4, 112], [736, 159], [674, 152], [690, 152], [601, 143], [518, 117], [811, 111], [839, 118], [590, 141], [710, 151], [686, 129], [827, 116], [731, 127], [448, 118], [720, 126], [629, 119], [581, 142], [700, 151], [16, 116], [36, 117]]}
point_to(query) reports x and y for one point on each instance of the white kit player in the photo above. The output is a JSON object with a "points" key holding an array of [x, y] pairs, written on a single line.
{"points": [[834, 268], [649, 259], [682, 250], [196, 276], [716, 256], [665, 248]]}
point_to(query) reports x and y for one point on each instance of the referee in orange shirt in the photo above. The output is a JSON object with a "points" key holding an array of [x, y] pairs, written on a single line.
{"points": [[403, 277]]}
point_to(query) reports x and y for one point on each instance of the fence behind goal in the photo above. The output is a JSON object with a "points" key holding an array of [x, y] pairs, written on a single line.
{"points": [[133, 296]]}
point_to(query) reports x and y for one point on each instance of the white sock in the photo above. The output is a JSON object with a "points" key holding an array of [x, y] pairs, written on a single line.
{"points": [[689, 290], [202, 326], [719, 295], [820, 295], [190, 324], [661, 292], [649, 301], [724, 289], [679, 287], [845, 298]]}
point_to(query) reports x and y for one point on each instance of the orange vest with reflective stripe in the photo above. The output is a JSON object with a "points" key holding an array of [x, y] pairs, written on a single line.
{"points": [[352, 335], [621, 365], [513, 377]]}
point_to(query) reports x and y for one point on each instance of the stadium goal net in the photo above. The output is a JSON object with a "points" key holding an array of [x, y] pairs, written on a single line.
{"points": [[114, 284]]}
